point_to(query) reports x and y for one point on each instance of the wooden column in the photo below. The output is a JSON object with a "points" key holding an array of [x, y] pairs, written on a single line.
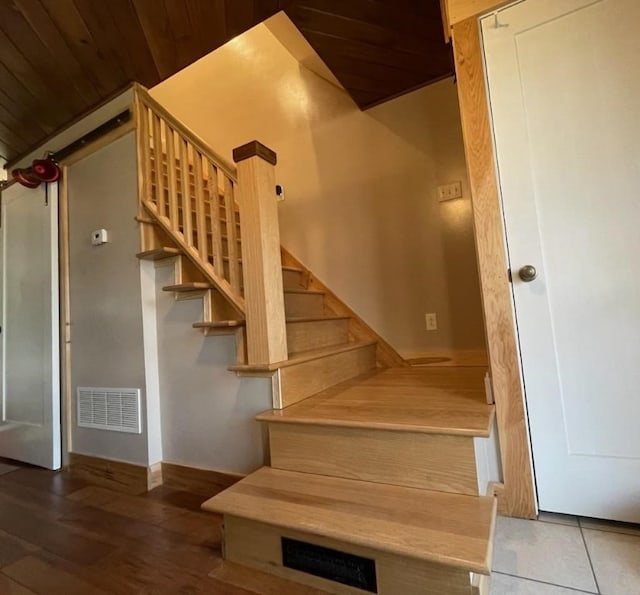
{"points": [[261, 263], [517, 497]]}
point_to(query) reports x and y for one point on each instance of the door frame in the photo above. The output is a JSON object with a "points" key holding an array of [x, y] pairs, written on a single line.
{"points": [[66, 415], [517, 494]]}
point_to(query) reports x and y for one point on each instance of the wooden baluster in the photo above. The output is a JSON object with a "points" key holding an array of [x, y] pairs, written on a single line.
{"points": [[172, 178], [187, 221], [191, 152], [201, 219], [158, 154], [214, 208], [262, 266], [144, 152], [235, 277]]}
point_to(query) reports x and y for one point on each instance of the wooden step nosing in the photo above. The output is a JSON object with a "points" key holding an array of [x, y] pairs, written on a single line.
{"points": [[314, 354], [304, 292], [303, 319], [303, 357], [186, 287], [273, 417], [158, 253], [293, 269], [219, 324]]}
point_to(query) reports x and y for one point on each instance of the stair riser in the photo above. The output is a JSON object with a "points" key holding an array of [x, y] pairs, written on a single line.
{"points": [[308, 378], [303, 305], [186, 271], [216, 307], [293, 279], [259, 546], [316, 334], [410, 459]]}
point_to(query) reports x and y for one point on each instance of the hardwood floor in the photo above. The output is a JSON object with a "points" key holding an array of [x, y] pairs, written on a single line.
{"points": [[59, 535]]}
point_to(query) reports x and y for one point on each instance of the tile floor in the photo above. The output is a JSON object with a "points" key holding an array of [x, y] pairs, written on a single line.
{"points": [[565, 555]]}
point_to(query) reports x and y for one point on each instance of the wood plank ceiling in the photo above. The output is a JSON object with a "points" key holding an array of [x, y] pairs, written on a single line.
{"points": [[60, 58], [377, 49]]}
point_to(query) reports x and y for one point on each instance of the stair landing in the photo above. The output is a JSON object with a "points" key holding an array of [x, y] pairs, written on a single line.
{"points": [[444, 400]]}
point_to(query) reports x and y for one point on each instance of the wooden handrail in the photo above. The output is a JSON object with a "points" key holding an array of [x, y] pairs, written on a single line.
{"points": [[189, 192]]}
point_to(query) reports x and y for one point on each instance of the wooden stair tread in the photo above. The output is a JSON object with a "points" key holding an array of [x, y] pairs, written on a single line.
{"points": [[219, 324], [192, 286], [450, 529], [302, 357], [232, 323], [444, 400], [304, 291], [293, 269], [158, 253], [295, 319]]}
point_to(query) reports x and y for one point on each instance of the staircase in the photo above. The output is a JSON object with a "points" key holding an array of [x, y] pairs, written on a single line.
{"points": [[374, 483]]}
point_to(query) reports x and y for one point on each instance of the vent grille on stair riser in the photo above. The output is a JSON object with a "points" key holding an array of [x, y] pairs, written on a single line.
{"points": [[348, 569], [115, 409]]}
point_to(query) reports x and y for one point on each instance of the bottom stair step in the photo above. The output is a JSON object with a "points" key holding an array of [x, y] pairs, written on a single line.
{"points": [[412, 541]]}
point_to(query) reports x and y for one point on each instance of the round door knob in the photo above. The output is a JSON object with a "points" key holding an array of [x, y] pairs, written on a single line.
{"points": [[528, 273]]}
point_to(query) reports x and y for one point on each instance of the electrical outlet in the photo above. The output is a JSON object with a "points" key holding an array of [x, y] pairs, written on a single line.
{"points": [[431, 321], [450, 191]]}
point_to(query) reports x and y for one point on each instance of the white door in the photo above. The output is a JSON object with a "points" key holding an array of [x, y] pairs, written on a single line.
{"points": [[30, 423], [564, 86]]}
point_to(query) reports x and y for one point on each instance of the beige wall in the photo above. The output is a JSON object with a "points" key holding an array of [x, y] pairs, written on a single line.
{"points": [[361, 208]]}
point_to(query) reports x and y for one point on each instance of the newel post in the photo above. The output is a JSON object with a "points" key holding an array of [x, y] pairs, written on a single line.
{"points": [[261, 261]]}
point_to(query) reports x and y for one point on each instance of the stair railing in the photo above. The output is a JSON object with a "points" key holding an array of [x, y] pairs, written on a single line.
{"points": [[190, 192]]}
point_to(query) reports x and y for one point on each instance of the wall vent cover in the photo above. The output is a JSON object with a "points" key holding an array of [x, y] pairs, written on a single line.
{"points": [[340, 567], [115, 409]]}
